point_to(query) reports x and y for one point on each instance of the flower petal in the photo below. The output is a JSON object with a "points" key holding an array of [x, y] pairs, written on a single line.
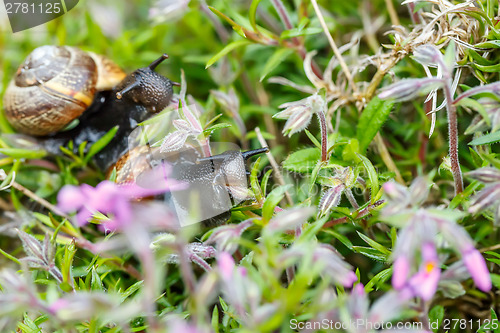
{"points": [[476, 265]]}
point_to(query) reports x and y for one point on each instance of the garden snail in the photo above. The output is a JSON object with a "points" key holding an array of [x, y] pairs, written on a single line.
{"points": [[56, 85]]}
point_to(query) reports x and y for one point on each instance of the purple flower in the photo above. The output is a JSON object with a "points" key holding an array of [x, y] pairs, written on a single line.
{"points": [[420, 229], [226, 236], [289, 219], [178, 324], [299, 113], [425, 282], [226, 265], [82, 306], [476, 265], [340, 183], [325, 259], [400, 272], [489, 196], [239, 290], [408, 89], [387, 308], [330, 199], [106, 198]]}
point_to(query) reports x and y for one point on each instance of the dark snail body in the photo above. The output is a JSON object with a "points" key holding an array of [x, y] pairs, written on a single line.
{"points": [[142, 94]]}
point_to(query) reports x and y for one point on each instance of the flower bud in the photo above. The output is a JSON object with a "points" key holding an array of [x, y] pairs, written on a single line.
{"points": [[408, 89]]}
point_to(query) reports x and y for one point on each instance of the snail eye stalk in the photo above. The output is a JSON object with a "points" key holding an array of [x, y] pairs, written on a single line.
{"points": [[158, 61], [129, 87]]}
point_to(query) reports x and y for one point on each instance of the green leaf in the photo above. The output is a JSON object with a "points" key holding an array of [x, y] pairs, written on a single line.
{"points": [[23, 153], [374, 244], [493, 253], [488, 69], [313, 139], [254, 181], [96, 283], [265, 180], [215, 127], [478, 59], [370, 253], [350, 150], [101, 143], [436, 314], [215, 319], [476, 13], [236, 27], [491, 44], [342, 238], [277, 58], [449, 54], [272, 200], [228, 48], [252, 14], [378, 279], [486, 139], [372, 175], [8, 256], [131, 290], [303, 161], [371, 120], [67, 262], [314, 176]]}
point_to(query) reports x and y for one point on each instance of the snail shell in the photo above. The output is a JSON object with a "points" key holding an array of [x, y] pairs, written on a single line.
{"points": [[54, 86]]}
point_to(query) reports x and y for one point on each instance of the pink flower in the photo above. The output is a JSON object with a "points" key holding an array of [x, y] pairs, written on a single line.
{"points": [[226, 265], [106, 198], [425, 282], [476, 265], [401, 270]]}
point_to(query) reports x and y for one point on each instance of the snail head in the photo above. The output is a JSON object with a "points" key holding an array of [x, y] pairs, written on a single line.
{"points": [[146, 87]]}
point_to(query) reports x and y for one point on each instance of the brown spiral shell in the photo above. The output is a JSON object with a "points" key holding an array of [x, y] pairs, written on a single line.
{"points": [[54, 86]]}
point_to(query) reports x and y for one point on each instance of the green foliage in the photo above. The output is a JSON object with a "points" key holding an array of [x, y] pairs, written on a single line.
{"points": [[268, 53], [371, 120]]}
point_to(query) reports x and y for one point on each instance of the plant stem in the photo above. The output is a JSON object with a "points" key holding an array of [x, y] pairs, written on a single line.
{"points": [[200, 262], [276, 168], [280, 8], [219, 28], [362, 213], [392, 12], [453, 140], [386, 157], [38, 199], [287, 23], [334, 47], [415, 18], [324, 136]]}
